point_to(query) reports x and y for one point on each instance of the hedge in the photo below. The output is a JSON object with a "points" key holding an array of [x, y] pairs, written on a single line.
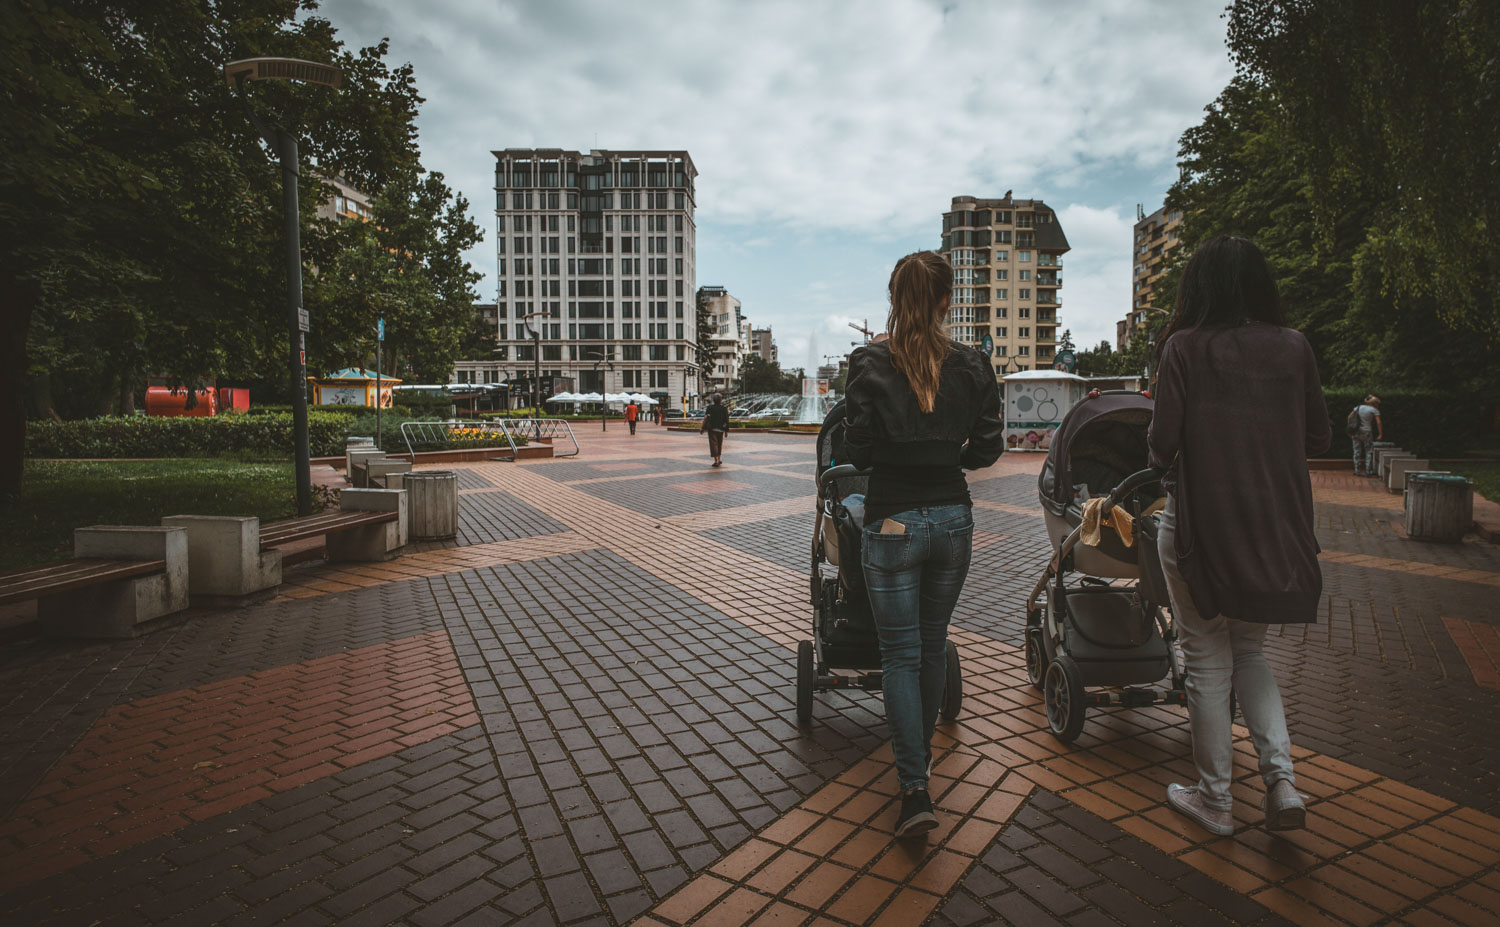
{"points": [[145, 436], [1425, 422]]}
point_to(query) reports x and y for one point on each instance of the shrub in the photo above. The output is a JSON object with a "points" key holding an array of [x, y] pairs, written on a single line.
{"points": [[267, 435], [1425, 422]]}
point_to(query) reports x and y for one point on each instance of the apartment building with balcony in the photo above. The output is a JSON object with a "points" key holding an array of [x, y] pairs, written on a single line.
{"points": [[1007, 278], [598, 248], [732, 339], [347, 203], [1156, 236]]}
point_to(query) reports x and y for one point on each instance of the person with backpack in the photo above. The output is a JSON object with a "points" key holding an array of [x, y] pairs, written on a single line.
{"points": [[1364, 428], [632, 413]]}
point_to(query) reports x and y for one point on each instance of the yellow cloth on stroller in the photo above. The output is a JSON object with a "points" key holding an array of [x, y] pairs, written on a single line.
{"points": [[1095, 520]]}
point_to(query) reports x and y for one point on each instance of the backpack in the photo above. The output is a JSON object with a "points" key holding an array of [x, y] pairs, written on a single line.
{"points": [[1351, 426]]}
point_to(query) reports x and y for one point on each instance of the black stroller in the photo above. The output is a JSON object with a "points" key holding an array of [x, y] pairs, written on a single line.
{"points": [[1096, 633], [844, 636]]}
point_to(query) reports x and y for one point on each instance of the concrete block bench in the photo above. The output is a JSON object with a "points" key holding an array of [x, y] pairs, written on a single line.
{"points": [[227, 566], [381, 473], [1396, 478], [121, 577]]}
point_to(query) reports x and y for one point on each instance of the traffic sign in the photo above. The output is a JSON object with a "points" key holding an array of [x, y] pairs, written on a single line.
{"points": [[380, 330], [302, 320]]}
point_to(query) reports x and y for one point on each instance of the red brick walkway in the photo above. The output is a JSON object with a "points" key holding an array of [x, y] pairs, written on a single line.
{"points": [[581, 715]]}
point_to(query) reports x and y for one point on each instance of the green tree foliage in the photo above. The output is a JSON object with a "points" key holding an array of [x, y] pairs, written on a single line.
{"points": [[704, 321], [1356, 145], [759, 375], [140, 212], [405, 266]]}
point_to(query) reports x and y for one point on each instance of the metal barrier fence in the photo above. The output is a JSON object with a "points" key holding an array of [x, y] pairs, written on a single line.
{"points": [[484, 433], [546, 429]]}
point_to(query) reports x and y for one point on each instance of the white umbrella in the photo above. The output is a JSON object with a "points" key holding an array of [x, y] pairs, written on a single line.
{"points": [[589, 397], [642, 399], [563, 397], [616, 397]]}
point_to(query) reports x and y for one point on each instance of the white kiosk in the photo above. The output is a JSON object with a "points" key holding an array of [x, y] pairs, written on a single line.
{"points": [[1035, 403]]}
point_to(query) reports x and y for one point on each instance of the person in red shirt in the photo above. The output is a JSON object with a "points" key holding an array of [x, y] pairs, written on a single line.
{"points": [[632, 412]]}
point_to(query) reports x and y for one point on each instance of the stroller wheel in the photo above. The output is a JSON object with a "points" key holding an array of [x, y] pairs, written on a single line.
{"points": [[806, 676], [1063, 692], [953, 687], [1036, 661]]}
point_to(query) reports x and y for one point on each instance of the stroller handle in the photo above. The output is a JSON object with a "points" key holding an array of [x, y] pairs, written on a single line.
{"points": [[838, 473], [1133, 482]]}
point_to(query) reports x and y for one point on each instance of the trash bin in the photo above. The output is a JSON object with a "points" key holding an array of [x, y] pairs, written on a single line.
{"points": [[432, 496], [1439, 507]]}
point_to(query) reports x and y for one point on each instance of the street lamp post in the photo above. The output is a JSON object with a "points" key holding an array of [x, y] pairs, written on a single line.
{"points": [[600, 358], [236, 73], [536, 358]]}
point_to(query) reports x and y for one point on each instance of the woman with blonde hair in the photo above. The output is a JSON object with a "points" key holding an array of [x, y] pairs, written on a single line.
{"points": [[920, 409]]}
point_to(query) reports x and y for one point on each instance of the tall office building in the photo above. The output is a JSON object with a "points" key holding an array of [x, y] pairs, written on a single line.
{"points": [[762, 344], [597, 250], [1007, 278], [1156, 236]]}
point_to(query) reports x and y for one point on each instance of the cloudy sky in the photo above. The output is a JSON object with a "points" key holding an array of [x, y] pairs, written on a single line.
{"points": [[829, 136]]}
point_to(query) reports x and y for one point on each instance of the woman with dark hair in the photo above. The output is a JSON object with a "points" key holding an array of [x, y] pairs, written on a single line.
{"points": [[920, 409], [716, 423], [1239, 409]]}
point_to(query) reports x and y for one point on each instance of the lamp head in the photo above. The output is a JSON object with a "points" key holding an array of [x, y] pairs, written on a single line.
{"points": [[309, 72]]}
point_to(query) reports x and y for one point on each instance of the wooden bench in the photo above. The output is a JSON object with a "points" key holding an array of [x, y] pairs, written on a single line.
{"points": [[278, 534], [370, 525], [37, 582], [120, 577]]}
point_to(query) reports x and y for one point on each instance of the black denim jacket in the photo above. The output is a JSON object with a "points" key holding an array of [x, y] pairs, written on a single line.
{"points": [[885, 425]]}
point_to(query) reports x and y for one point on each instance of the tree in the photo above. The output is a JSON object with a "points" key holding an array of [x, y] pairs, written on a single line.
{"points": [[758, 375], [405, 265], [1066, 344], [1335, 149], [140, 220], [1097, 362], [706, 330]]}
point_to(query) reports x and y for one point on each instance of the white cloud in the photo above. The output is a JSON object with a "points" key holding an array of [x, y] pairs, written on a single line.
{"points": [[809, 119]]}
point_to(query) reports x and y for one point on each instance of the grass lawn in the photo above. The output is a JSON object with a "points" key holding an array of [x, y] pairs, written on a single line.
{"points": [[1486, 476], [58, 496]]}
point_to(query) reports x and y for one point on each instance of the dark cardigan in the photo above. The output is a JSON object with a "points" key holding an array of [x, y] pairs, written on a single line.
{"points": [[1238, 412]]}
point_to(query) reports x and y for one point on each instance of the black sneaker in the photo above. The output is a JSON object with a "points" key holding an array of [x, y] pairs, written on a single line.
{"points": [[916, 814]]}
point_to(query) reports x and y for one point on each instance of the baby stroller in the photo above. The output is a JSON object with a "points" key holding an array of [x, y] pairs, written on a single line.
{"points": [[844, 635], [1094, 632]]}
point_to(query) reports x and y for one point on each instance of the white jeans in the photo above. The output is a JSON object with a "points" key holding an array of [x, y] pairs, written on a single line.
{"points": [[1218, 652]]}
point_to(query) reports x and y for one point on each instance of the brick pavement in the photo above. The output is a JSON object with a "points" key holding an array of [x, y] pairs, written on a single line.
{"points": [[616, 742]]}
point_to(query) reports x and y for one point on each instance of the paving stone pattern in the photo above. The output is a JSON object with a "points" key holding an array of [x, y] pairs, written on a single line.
{"points": [[1057, 864], [622, 625]]}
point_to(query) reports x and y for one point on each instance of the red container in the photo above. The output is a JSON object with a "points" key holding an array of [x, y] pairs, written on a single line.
{"points": [[233, 399], [165, 401]]}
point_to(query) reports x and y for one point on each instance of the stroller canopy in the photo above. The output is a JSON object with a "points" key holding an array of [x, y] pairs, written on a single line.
{"points": [[1101, 441]]}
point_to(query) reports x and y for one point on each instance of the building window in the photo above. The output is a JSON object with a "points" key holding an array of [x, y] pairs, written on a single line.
{"points": [[1023, 255], [1025, 275], [1002, 256], [1023, 293], [1024, 350]]}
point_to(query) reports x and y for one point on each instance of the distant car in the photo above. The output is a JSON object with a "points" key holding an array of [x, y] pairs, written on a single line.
{"points": [[774, 413], [739, 412], [672, 413], [697, 413]]}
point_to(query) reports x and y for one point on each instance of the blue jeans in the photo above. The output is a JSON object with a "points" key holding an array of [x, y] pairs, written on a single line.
{"points": [[1364, 445], [914, 580]]}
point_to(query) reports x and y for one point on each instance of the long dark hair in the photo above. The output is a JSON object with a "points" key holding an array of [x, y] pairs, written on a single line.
{"points": [[1226, 283]]}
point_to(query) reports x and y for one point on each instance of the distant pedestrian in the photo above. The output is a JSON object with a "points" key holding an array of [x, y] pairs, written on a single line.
{"points": [[1365, 428], [632, 412], [716, 423]]}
